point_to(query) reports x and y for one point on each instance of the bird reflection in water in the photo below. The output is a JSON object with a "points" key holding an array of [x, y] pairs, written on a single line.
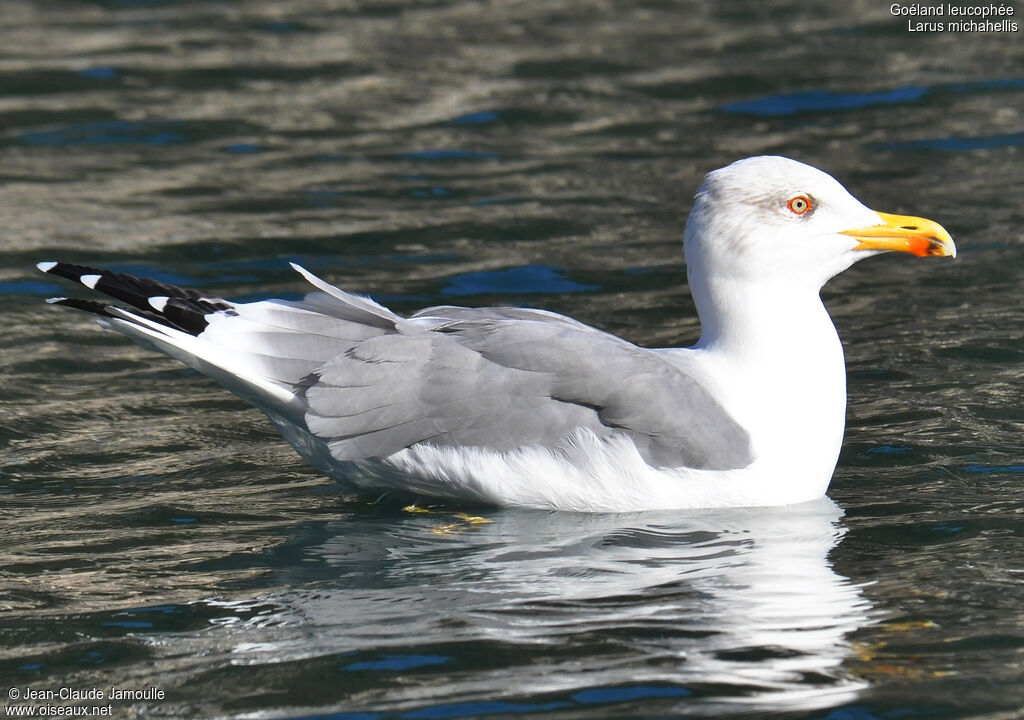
{"points": [[713, 607]]}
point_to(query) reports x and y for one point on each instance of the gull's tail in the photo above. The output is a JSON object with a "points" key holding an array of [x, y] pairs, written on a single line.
{"points": [[166, 305], [265, 352]]}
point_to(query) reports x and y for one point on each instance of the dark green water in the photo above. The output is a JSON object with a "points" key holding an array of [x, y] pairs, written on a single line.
{"points": [[157, 533]]}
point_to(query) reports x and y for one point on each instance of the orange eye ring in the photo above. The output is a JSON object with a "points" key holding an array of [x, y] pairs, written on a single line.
{"points": [[800, 205]]}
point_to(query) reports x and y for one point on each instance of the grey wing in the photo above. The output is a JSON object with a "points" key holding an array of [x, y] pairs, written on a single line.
{"points": [[671, 417], [396, 390], [506, 377]]}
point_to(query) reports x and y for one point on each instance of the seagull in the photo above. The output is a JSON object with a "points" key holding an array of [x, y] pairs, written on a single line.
{"points": [[527, 408]]}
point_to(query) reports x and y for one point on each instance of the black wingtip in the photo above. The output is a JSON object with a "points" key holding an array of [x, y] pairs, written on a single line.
{"points": [[78, 273], [169, 305], [90, 306]]}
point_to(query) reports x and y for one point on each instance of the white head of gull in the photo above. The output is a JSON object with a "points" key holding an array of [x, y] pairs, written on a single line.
{"points": [[517, 407]]}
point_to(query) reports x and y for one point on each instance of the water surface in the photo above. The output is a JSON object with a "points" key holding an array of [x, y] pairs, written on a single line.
{"points": [[156, 531]]}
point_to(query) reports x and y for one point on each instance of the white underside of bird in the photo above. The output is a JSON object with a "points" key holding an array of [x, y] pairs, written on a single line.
{"points": [[527, 408]]}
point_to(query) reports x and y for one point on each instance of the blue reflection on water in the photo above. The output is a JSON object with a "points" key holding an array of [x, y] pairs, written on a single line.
{"points": [[996, 84], [99, 73], [955, 143], [632, 692], [477, 118], [990, 469], [522, 279], [244, 148], [29, 287], [476, 709], [889, 450], [816, 100], [430, 192], [282, 26], [108, 132], [827, 100], [398, 662]]}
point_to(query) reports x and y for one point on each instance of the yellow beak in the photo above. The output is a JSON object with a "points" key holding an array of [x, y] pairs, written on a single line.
{"points": [[904, 233]]}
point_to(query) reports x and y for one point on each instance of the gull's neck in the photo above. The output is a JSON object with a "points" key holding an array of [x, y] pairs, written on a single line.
{"points": [[743, 316], [773, 355]]}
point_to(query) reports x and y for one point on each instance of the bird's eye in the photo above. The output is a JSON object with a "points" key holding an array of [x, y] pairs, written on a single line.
{"points": [[799, 205]]}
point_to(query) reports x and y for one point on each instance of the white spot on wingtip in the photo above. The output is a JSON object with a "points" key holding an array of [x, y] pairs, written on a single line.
{"points": [[46, 266], [55, 300], [90, 281], [159, 302]]}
